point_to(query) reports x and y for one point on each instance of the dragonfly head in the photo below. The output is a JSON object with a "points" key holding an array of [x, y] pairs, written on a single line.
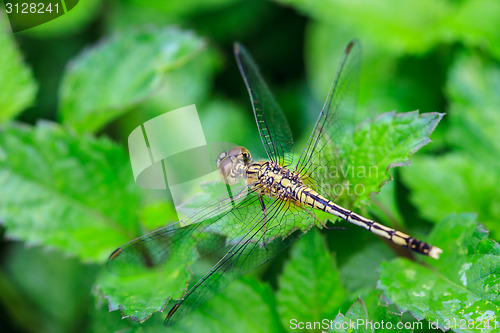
{"points": [[232, 164]]}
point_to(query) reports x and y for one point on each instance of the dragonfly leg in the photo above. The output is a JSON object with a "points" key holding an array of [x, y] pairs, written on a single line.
{"points": [[230, 193]]}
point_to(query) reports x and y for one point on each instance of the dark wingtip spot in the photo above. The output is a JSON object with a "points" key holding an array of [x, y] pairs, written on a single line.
{"points": [[349, 47], [115, 253], [172, 311]]}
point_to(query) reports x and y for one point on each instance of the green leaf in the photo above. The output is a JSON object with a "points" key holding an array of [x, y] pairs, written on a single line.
{"points": [[454, 183], [53, 291], [370, 313], [473, 24], [124, 70], [384, 84], [361, 269], [138, 296], [102, 321], [356, 313], [247, 301], [459, 289], [139, 290], [75, 20], [219, 24], [74, 193], [158, 214], [408, 26], [474, 117], [379, 311], [225, 121], [386, 205], [178, 8], [309, 287], [469, 176], [419, 25], [385, 142], [17, 86]]}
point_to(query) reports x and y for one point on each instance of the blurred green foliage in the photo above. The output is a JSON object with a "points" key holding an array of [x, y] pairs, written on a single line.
{"points": [[72, 90]]}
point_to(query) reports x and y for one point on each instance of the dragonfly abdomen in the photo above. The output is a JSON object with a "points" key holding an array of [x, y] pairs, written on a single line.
{"points": [[311, 198]]}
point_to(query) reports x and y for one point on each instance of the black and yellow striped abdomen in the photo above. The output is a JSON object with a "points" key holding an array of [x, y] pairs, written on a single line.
{"points": [[313, 199]]}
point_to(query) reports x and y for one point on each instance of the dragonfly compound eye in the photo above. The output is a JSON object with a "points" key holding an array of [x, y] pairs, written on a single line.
{"points": [[247, 158], [225, 167], [239, 152], [222, 156]]}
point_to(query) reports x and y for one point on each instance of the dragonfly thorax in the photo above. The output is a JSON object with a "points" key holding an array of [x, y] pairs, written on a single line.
{"points": [[233, 164], [273, 179]]}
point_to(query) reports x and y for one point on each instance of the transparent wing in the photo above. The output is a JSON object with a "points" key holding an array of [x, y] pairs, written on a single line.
{"points": [[273, 127], [267, 235], [200, 233], [320, 160], [247, 236]]}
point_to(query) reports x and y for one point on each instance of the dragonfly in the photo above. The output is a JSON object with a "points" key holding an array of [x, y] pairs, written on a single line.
{"points": [[272, 201]]}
